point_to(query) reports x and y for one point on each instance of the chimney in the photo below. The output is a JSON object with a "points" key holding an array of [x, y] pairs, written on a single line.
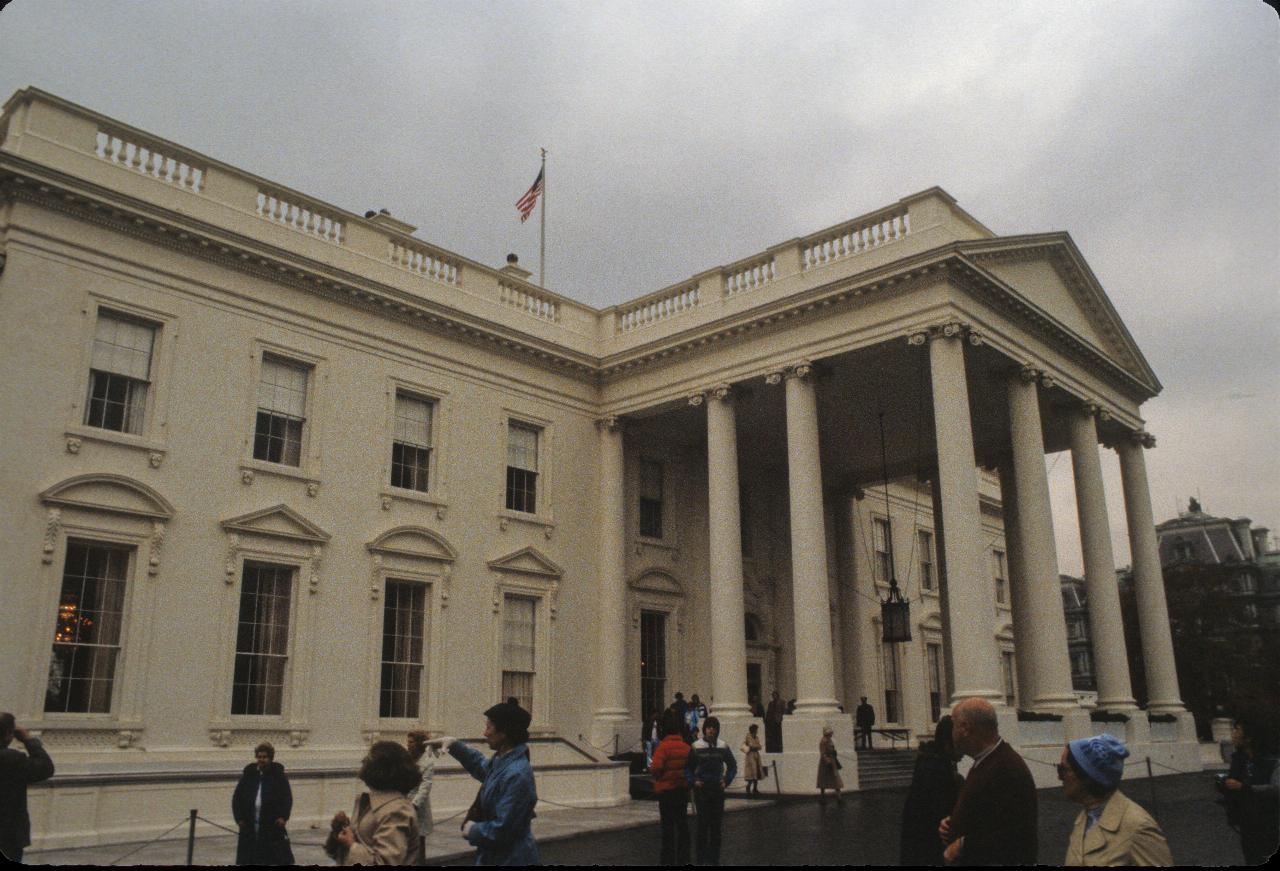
{"points": [[1243, 537], [383, 219], [1260, 535], [513, 268]]}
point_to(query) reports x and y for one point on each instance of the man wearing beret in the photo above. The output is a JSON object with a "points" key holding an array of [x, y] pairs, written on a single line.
{"points": [[1111, 830]]}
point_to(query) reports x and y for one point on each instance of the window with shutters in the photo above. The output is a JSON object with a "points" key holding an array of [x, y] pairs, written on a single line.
{"points": [[282, 411], [120, 373]]}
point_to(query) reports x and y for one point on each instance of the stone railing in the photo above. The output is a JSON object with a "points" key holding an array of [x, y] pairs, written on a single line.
{"points": [[148, 157], [658, 307], [750, 274], [854, 237], [425, 260], [299, 214], [529, 300]]}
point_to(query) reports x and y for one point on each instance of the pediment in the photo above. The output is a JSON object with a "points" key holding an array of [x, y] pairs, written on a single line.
{"points": [[527, 561], [657, 581], [932, 622], [1049, 272], [414, 541], [278, 521], [111, 493]]}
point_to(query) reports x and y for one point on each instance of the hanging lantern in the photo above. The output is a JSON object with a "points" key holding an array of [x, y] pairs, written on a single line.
{"points": [[895, 616]]}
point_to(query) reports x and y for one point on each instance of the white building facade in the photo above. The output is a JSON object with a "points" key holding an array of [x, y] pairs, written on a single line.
{"points": [[276, 471]]}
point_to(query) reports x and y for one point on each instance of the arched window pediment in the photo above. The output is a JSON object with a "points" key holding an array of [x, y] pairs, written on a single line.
{"points": [[416, 542], [657, 581], [115, 494]]}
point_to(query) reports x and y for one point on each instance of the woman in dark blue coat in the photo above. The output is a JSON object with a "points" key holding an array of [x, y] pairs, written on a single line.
{"points": [[261, 806], [935, 786]]}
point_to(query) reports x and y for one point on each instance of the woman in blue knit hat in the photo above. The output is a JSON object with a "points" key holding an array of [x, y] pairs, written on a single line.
{"points": [[1111, 829]]}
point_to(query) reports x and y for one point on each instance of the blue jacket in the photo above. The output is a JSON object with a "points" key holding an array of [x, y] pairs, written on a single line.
{"points": [[709, 764], [507, 797]]}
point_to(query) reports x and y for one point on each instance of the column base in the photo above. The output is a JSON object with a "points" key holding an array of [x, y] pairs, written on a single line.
{"points": [[797, 765], [612, 734]]}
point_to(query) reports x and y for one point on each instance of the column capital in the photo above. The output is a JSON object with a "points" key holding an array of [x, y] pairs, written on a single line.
{"points": [[774, 377], [609, 423], [803, 369], [1032, 374], [1143, 438], [1093, 409], [948, 330], [722, 392], [697, 399]]}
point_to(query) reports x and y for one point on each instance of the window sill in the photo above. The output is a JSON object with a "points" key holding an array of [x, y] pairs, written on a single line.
{"points": [[433, 498], [75, 435], [250, 468], [506, 517]]}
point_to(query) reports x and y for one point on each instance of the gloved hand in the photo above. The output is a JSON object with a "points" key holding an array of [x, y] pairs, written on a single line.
{"points": [[443, 743], [466, 827]]}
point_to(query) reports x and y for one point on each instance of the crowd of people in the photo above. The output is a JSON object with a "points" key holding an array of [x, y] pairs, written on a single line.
{"points": [[988, 817]]}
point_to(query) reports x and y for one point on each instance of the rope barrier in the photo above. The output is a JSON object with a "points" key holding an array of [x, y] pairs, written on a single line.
{"points": [[181, 822]]}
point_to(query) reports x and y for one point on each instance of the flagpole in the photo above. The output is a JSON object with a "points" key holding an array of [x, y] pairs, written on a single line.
{"points": [[542, 249]]}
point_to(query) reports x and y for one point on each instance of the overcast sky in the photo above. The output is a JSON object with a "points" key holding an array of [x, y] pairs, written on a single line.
{"points": [[686, 135]]}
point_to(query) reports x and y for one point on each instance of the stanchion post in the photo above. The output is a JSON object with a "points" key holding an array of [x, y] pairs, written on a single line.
{"points": [[777, 786], [1151, 784], [191, 837]]}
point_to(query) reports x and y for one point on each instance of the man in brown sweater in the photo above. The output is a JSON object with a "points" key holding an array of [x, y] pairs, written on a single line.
{"points": [[994, 820]]}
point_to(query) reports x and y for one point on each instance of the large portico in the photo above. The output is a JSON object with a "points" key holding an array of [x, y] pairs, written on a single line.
{"points": [[973, 353]]}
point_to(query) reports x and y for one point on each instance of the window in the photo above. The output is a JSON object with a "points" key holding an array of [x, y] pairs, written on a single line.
{"points": [[653, 662], [1076, 629], [1000, 576], [881, 533], [518, 670], [1081, 665], [1183, 551], [1246, 584], [411, 444], [926, 561], [1006, 667], [119, 373], [403, 640], [282, 411], [892, 687], [86, 636], [651, 499], [522, 468], [937, 680], [262, 639]]}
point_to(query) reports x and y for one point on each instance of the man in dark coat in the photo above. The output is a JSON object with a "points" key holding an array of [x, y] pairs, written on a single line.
{"points": [[865, 718], [935, 786], [16, 771], [261, 806], [994, 820]]}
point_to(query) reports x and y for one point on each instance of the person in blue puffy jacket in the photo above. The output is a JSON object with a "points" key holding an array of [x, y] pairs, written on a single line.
{"points": [[498, 823]]}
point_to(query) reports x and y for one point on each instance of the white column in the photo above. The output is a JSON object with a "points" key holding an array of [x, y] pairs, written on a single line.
{"points": [[854, 624], [1148, 579], [1050, 660], [1024, 624], [1106, 629], [728, 639], [974, 655], [612, 716], [815, 680]]}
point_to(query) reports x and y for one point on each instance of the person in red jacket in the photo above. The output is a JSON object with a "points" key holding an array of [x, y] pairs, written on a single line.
{"points": [[672, 789]]}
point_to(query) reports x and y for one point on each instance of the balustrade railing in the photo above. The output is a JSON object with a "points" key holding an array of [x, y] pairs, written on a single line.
{"points": [[150, 159], [658, 307], [854, 237], [426, 261], [528, 300], [750, 274], [299, 215]]}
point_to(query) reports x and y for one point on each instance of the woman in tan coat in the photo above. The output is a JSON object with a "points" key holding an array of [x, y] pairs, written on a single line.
{"points": [[384, 830], [752, 767], [828, 767]]}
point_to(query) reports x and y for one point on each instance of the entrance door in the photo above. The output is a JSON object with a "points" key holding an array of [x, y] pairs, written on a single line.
{"points": [[755, 685]]}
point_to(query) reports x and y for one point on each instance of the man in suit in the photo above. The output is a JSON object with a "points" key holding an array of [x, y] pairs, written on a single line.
{"points": [[16, 771], [865, 718], [994, 820]]}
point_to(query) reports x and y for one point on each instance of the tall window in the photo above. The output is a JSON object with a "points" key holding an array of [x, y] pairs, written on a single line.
{"points": [[119, 374], [522, 468], [262, 639], [937, 679], [892, 685], [883, 559], [653, 662], [86, 637], [998, 570], [651, 498], [282, 411], [411, 446], [926, 561], [403, 636], [1006, 667], [518, 626]]}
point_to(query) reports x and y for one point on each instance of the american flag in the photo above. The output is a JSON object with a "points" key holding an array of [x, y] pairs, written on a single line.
{"points": [[525, 204]]}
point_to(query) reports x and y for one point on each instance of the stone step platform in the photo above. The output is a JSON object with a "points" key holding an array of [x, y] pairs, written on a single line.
{"points": [[885, 769]]}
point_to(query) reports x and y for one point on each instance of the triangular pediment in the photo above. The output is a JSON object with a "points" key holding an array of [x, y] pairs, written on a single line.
{"points": [[278, 521], [111, 493], [1050, 274], [528, 561], [414, 541]]}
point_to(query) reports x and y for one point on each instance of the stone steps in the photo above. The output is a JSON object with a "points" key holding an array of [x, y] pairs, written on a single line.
{"points": [[885, 769]]}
